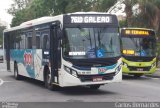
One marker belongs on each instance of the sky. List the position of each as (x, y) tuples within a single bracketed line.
[(4, 16)]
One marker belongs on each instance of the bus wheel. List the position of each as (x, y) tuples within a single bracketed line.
[(48, 82), (137, 75), (94, 87), (16, 75)]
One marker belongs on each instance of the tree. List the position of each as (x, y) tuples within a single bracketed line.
[(149, 15), (19, 11), (78, 6), (128, 10), (102, 5), (18, 5)]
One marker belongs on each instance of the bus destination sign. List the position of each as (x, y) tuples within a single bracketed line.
[(91, 19), (137, 32)]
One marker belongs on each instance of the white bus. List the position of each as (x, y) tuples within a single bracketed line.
[(73, 49)]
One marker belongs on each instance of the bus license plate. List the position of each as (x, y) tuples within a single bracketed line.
[(139, 69), (95, 79)]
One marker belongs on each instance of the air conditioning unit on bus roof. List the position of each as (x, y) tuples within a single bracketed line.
[(91, 12), (31, 22)]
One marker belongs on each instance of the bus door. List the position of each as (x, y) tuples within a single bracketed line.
[(7, 49), (55, 52), (45, 46)]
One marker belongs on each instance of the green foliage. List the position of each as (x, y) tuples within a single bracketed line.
[(78, 5), (18, 5), (148, 16), (31, 9), (106, 4), (128, 10), (102, 5), (123, 23)]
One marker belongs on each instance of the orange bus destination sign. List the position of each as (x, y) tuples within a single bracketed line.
[(137, 32)]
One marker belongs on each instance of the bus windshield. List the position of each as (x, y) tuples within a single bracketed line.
[(83, 43), (139, 46)]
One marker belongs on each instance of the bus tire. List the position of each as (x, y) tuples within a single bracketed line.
[(16, 74), (94, 87), (48, 82)]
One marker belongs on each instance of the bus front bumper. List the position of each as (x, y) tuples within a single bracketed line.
[(69, 80), (126, 70)]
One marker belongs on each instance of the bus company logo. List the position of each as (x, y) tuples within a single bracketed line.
[(101, 70), (28, 58)]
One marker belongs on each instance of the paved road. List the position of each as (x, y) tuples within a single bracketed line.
[(129, 90)]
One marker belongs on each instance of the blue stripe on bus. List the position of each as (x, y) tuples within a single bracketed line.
[(18, 56), (89, 68)]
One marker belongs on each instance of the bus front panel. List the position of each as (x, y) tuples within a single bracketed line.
[(90, 50), (138, 51)]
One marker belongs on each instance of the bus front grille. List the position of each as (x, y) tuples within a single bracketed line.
[(85, 78), (133, 68)]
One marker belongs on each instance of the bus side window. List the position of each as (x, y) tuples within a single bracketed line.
[(29, 40), (22, 42), (46, 41), (38, 44), (17, 40), (12, 40)]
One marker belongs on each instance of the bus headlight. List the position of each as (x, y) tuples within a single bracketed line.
[(74, 73), (67, 69), (125, 64), (70, 71), (118, 69), (153, 65)]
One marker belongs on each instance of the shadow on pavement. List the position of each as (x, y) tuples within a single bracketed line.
[(131, 77), (30, 81), (78, 90), (82, 90)]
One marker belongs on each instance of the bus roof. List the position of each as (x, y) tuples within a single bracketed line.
[(47, 19), (34, 22)]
